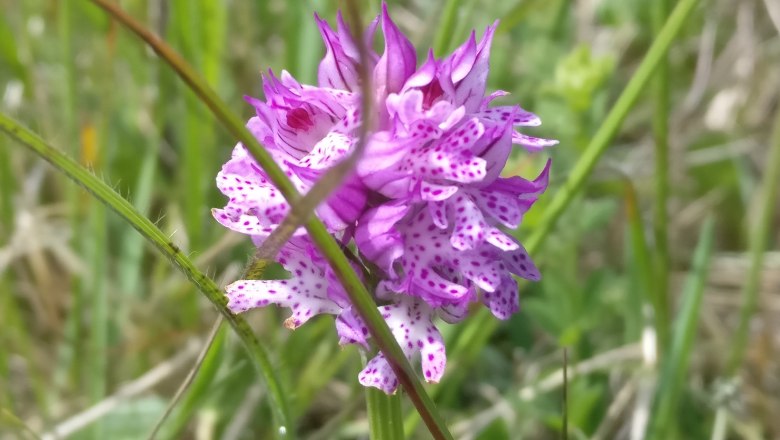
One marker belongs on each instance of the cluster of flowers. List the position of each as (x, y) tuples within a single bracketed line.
[(424, 207)]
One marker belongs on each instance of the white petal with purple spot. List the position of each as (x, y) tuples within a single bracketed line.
[(411, 322)]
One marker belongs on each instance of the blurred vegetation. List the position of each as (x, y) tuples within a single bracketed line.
[(86, 307)]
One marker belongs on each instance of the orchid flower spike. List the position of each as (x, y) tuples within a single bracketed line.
[(426, 208)]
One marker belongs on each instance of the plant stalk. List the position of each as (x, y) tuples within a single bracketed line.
[(384, 415)]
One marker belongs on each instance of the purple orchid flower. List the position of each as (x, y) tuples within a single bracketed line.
[(426, 207)]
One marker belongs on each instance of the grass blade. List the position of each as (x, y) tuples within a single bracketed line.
[(156, 237), (644, 264), (449, 19), (200, 386), (200, 376), (72, 343), (675, 363), (759, 237), (15, 425), (384, 415), (609, 128), (94, 241), (190, 31), (9, 309), (661, 137), (131, 254)]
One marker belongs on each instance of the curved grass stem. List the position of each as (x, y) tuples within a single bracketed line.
[(166, 247), (330, 249)]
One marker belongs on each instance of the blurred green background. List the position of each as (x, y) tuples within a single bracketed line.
[(86, 308)]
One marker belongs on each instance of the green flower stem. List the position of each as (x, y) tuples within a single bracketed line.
[(384, 415), (661, 137), (354, 287), (155, 236), (759, 238)]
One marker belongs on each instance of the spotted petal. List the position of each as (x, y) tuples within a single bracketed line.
[(531, 143), (504, 301), (411, 322), (305, 293), (377, 236)]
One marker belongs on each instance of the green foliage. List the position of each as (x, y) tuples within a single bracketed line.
[(579, 76), (86, 306)]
